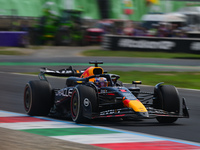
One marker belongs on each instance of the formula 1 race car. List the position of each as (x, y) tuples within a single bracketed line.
[(93, 93)]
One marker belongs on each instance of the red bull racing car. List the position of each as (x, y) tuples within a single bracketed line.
[(94, 93)]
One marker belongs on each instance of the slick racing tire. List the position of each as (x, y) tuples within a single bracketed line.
[(37, 98), (167, 98), (82, 97)]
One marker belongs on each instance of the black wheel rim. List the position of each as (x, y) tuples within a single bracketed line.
[(27, 98), (74, 104)]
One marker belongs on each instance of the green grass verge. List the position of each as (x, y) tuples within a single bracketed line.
[(140, 54), (3, 52), (190, 80), (17, 50)]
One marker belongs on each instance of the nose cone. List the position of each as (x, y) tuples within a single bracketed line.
[(143, 114), (136, 105)]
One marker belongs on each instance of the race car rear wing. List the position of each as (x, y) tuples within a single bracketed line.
[(66, 72), (62, 72)]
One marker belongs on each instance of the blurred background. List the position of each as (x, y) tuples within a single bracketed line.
[(75, 22)]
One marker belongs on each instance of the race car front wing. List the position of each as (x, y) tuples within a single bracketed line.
[(152, 113)]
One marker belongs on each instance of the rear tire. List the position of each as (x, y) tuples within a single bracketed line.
[(167, 98), (82, 96), (37, 98)]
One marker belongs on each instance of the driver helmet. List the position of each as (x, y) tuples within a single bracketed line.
[(101, 82)]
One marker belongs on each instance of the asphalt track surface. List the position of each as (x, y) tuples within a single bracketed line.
[(65, 56), (12, 86)]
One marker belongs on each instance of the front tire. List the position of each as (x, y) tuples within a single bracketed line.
[(37, 98), (81, 97), (167, 98)]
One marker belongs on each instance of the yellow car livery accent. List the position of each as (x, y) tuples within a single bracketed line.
[(136, 105), (79, 81), (137, 82)]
